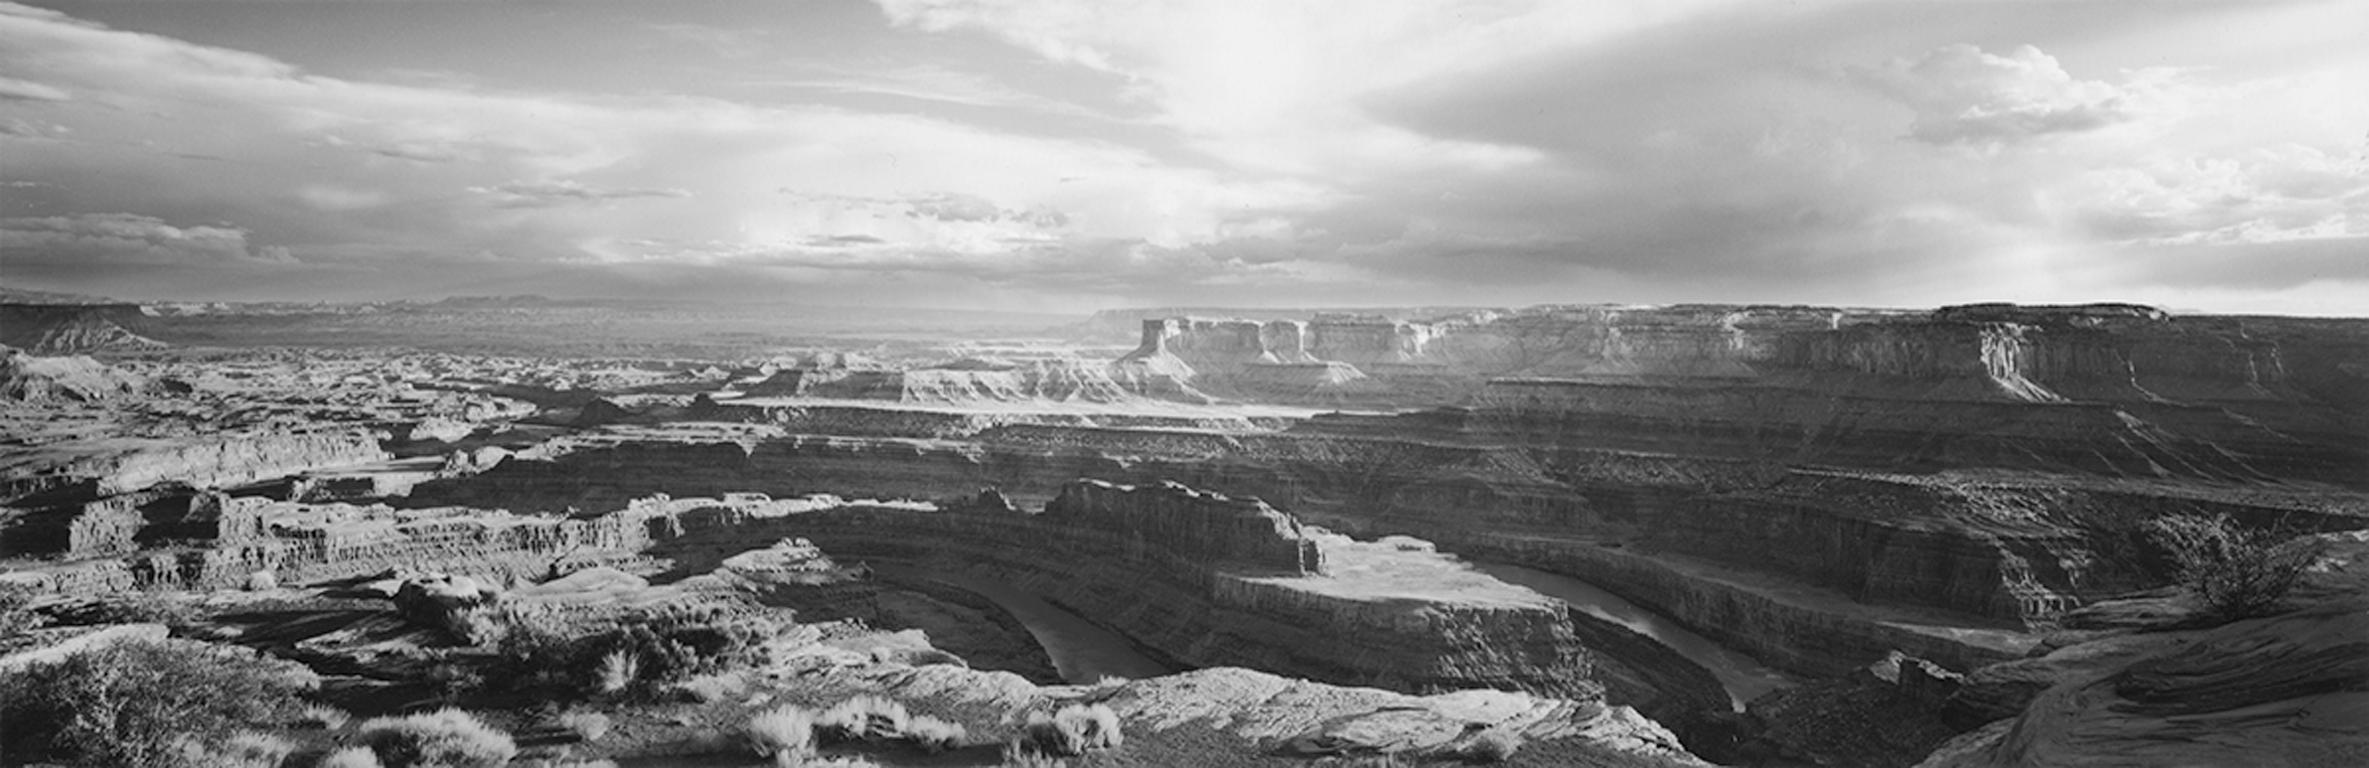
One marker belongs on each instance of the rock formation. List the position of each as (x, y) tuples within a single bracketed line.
[(27, 378), (49, 329)]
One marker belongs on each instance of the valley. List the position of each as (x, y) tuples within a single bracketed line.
[(1667, 535)]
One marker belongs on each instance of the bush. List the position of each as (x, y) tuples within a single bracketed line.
[(246, 749), (784, 733), (618, 671), (1018, 755), (2233, 571), (142, 703), (640, 649), (445, 738), (328, 718), (589, 726), (933, 735), (351, 757), (1072, 730), (15, 614)]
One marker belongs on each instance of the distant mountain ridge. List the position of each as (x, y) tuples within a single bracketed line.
[(11, 295), (52, 329)]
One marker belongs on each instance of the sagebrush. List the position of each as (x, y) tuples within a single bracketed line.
[(445, 738), (2235, 572), (144, 703)]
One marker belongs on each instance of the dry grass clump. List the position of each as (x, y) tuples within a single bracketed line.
[(1071, 730), (784, 733), (933, 735), (323, 716), (445, 738), (863, 718), (618, 670), (790, 735)]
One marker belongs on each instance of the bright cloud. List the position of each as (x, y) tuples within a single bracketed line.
[(1963, 95), (1023, 154)]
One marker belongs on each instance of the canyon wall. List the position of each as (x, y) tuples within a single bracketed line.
[(1198, 578), (1999, 552), (100, 468), (1216, 582), (2104, 389)]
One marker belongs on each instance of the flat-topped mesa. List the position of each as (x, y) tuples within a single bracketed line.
[(1190, 524), (2107, 352), (1369, 339), (1226, 342), (2052, 314)]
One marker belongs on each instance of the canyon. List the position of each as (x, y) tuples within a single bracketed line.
[(1731, 526)]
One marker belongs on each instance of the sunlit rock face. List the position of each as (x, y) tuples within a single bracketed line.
[(1207, 580), (1188, 524), (26, 378), (123, 465)]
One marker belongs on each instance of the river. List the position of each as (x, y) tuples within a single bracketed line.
[(1082, 651), (1743, 677)]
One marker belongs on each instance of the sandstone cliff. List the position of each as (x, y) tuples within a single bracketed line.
[(1224, 583), (28, 378), (122, 465)]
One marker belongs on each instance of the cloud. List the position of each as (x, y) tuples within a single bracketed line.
[(2259, 195), (1963, 95), (928, 83), (126, 239), (534, 194), (12, 89), (410, 169), (1528, 150)]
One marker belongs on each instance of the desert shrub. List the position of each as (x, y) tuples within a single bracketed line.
[(618, 670), (1072, 730), (16, 615), (445, 738), (589, 726), (863, 718), (1017, 754), (454, 678), (933, 735), (323, 716), (245, 749), (784, 733), (641, 649), (2233, 571), (350, 757), (142, 703)]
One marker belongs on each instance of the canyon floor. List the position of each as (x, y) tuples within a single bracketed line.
[(1985, 535)]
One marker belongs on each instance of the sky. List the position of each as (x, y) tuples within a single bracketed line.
[(1073, 156)]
